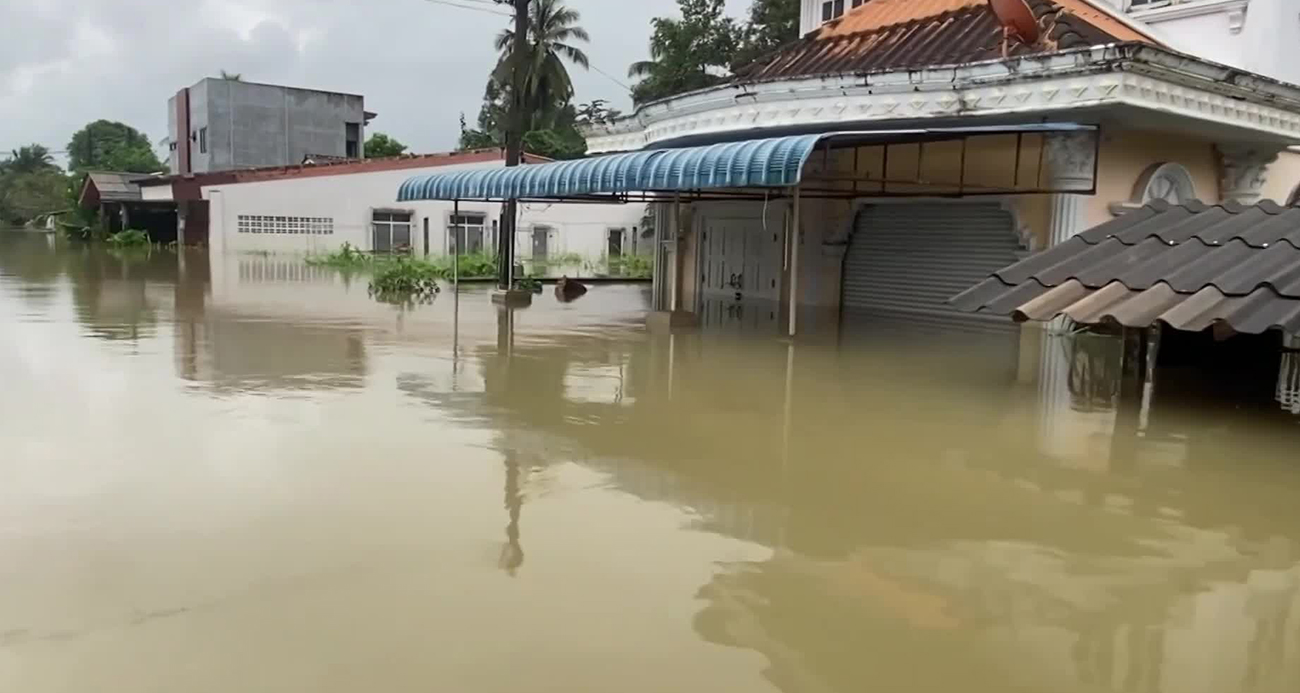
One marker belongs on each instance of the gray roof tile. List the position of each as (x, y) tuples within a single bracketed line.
[(1188, 266)]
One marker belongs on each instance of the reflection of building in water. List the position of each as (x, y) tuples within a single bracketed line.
[(254, 269), (229, 350), (251, 332)]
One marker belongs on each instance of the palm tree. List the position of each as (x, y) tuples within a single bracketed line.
[(30, 159), (552, 35)]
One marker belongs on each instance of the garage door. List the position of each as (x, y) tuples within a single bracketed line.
[(906, 260)]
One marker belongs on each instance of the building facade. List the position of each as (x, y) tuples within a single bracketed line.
[(225, 124), (1169, 126), (316, 209)]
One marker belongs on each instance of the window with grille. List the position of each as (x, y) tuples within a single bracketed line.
[(469, 227), (392, 231), (302, 226)]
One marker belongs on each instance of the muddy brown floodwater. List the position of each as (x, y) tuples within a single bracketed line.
[(244, 475)]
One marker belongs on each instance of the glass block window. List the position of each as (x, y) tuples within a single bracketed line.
[(302, 226)]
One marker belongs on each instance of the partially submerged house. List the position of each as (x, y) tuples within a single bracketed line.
[(317, 207), (927, 159), (116, 198)]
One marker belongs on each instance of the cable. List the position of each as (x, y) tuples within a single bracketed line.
[(612, 79), (485, 10)]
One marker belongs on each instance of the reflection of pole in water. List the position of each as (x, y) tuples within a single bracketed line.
[(789, 407), (1288, 379), (512, 554)]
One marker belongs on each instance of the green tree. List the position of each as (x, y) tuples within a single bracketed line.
[(552, 35), (29, 159), (597, 111), (25, 196), (379, 146), (551, 120), (772, 24), (110, 146), (689, 53), (476, 139)]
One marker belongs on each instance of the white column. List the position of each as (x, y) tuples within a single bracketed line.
[(1243, 172), (795, 240), (1071, 160), (676, 245)]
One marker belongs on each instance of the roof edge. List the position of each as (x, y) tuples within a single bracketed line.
[(1123, 18), (1115, 57)]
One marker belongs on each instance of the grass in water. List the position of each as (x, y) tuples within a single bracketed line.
[(404, 281), (130, 238), (472, 266), (631, 266), (347, 258)]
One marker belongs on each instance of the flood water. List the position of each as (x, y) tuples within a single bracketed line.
[(244, 475)]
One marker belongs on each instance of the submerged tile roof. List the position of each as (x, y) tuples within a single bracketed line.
[(1188, 266), (901, 34)]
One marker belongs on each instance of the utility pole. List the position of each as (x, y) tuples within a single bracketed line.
[(516, 127)]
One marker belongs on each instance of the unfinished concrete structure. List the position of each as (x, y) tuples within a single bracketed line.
[(227, 124)]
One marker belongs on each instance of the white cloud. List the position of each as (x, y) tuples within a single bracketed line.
[(419, 64)]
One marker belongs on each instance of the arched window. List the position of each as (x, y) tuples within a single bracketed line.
[(1168, 181)]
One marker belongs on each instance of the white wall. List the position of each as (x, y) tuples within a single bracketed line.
[(1268, 42), (349, 200)]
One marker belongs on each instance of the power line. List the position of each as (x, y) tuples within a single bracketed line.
[(612, 79), (450, 3)]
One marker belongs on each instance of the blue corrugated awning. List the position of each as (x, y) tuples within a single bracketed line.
[(773, 162), (765, 163)]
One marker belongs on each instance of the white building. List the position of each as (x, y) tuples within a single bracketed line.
[(315, 209)]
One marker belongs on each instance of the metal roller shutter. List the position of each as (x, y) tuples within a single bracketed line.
[(906, 260)]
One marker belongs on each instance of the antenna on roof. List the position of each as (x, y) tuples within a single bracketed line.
[(1016, 19)]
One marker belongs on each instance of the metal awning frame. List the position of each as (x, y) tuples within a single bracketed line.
[(814, 187)]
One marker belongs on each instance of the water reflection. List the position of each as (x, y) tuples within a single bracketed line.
[(330, 479)]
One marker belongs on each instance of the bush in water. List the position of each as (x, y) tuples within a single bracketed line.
[(405, 281)]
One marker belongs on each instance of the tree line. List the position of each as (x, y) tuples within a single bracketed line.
[(700, 48)]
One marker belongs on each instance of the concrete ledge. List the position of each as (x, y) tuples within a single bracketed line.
[(513, 298), (665, 321)]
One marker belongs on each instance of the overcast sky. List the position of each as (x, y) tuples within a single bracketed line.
[(64, 63)]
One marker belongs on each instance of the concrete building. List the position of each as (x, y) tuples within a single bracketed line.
[(912, 222), (315, 209), (224, 124)]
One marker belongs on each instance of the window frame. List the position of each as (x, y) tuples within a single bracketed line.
[(390, 226), (451, 229)]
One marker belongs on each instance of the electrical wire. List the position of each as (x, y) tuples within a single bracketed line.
[(486, 10)]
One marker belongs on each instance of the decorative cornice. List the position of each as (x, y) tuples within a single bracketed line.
[(1192, 8), (1097, 77)]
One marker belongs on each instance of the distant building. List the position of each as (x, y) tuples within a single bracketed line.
[(224, 124), (315, 208)]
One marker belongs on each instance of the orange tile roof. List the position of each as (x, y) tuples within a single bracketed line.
[(879, 14), (898, 34)]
